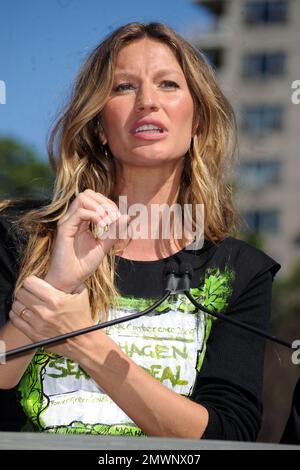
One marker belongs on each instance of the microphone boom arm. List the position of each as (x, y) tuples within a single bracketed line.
[(71, 334), (175, 284), (238, 323)]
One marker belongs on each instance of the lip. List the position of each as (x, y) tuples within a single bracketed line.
[(141, 122), (150, 136)]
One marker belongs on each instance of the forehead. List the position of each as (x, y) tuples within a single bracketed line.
[(146, 53)]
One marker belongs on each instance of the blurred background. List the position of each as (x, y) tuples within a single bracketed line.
[(254, 48)]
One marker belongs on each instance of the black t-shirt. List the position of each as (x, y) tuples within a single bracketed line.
[(291, 433), (209, 361)]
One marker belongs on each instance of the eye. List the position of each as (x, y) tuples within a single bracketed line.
[(125, 86), (122, 87), (170, 84)]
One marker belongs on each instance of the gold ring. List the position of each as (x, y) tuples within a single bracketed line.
[(22, 313), (102, 230)]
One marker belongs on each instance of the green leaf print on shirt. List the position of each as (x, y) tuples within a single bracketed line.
[(77, 427), (33, 400), (68, 387), (216, 289), (214, 293)]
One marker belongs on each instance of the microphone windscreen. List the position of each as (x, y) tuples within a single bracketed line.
[(171, 268), (186, 268)]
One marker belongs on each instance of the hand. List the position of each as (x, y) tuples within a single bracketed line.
[(77, 254), (50, 312)]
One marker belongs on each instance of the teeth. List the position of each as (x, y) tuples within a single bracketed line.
[(148, 127)]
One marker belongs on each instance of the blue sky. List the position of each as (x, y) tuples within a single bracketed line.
[(44, 42)]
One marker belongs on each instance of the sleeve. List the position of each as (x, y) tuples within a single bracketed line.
[(8, 269), (291, 433), (229, 384), (12, 244)]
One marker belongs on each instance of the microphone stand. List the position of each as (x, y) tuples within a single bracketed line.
[(240, 324), (83, 331), (175, 284), (186, 272), (172, 282)]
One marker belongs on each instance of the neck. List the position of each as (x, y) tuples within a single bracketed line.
[(150, 186)]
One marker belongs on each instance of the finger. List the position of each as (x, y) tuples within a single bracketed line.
[(98, 197), (101, 199), (40, 289), (109, 218), (117, 230), (29, 299), (21, 324), (111, 225), (18, 307), (89, 199), (109, 210), (82, 200), (81, 218), (25, 314)]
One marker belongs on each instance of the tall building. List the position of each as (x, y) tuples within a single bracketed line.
[(254, 46)]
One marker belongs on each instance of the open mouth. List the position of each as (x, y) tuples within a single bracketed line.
[(149, 131), (156, 131), (153, 134)]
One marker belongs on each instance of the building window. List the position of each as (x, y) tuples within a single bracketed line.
[(259, 174), (263, 64), (217, 7), (214, 56), (261, 119), (266, 221), (296, 240), (266, 12)]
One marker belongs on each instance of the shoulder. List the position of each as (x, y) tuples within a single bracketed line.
[(11, 237), (243, 266), (247, 258), (18, 207)]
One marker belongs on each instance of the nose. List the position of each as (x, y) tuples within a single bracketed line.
[(146, 98)]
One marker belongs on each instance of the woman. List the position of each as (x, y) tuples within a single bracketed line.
[(146, 121)]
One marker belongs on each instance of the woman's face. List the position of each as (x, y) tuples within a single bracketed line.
[(149, 86)]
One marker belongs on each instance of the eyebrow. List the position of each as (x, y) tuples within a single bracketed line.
[(125, 73)]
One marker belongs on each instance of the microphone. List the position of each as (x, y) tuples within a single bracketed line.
[(179, 277), (187, 272), (171, 271)]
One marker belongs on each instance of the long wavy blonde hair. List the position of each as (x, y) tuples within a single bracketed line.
[(82, 162)]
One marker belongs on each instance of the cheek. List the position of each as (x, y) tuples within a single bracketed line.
[(182, 114), (114, 118)]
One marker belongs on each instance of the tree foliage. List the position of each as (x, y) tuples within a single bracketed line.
[(22, 173)]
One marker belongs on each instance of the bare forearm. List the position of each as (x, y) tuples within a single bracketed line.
[(157, 410), (67, 288), (12, 371)]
